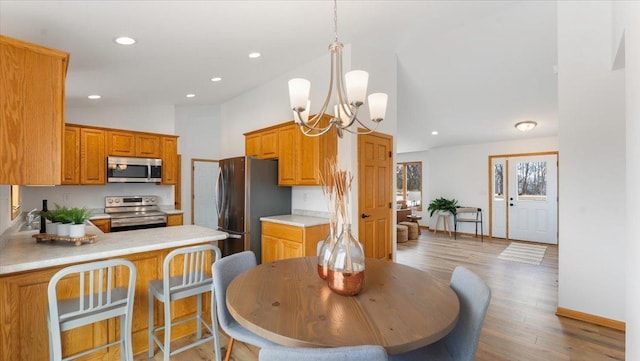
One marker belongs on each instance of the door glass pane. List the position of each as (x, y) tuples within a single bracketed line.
[(532, 180), (399, 182), (414, 183), (498, 181)]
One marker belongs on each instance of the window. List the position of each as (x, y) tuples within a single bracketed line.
[(15, 201), (498, 181), (409, 184), (532, 180)]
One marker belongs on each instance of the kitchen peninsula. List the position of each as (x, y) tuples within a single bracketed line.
[(27, 266)]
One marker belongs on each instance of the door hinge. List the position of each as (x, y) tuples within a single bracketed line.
[(390, 154), (389, 205), (390, 256)]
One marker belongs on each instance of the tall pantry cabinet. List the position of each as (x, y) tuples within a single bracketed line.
[(32, 81)]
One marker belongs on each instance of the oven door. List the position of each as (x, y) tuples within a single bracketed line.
[(131, 223)]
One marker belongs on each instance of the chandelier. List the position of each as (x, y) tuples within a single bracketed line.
[(351, 91)]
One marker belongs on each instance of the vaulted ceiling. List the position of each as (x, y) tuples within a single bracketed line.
[(467, 69)]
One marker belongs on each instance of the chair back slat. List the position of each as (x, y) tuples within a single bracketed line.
[(194, 266)]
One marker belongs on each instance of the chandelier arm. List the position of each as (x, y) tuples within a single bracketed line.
[(368, 131), (314, 132)]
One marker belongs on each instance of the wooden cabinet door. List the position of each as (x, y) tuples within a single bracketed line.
[(307, 159), (170, 160), (148, 146), (252, 145), (270, 248), (291, 249), (120, 143), (32, 80), (71, 156), (269, 144), (174, 220), (92, 158), (286, 155)]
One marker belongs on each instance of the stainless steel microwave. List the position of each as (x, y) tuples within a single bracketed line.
[(133, 170)]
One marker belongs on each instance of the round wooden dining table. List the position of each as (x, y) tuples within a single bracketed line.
[(400, 308)]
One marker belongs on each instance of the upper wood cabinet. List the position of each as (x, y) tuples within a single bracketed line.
[(131, 144), (170, 167), (262, 143), (71, 155), (302, 158), (32, 80), (92, 156)]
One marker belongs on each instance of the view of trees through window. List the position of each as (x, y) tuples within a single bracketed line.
[(532, 179), (409, 183), (498, 183)]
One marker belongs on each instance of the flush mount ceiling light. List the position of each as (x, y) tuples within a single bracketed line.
[(125, 40), (526, 126), (94, 97), (351, 90)]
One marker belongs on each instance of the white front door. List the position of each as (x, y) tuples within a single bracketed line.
[(205, 174), (533, 198)]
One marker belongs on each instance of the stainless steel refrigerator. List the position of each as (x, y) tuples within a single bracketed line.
[(247, 190)]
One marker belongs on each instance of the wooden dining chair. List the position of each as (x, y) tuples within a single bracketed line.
[(460, 344), (224, 271), (351, 353)]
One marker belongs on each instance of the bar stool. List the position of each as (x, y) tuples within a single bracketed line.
[(194, 281), (98, 299)]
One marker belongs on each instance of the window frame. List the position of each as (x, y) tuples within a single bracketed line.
[(404, 182)]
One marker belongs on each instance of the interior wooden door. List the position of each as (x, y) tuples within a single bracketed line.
[(375, 194)]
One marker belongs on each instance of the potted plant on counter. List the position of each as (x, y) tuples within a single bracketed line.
[(78, 216)]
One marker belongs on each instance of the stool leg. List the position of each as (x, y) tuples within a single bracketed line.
[(167, 330), (199, 316)]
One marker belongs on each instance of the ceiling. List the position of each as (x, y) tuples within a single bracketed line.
[(183, 44)]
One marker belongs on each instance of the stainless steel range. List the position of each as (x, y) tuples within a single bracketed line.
[(134, 212)]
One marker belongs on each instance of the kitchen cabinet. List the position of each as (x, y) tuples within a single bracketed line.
[(262, 143), (170, 167), (32, 85), (23, 310), (71, 155), (133, 144), (103, 224), (302, 158), (92, 156), (174, 220), (282, 241)]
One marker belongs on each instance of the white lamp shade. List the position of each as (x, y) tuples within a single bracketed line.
[(356, 82), (377, 106), (299, 92), (340, 113)]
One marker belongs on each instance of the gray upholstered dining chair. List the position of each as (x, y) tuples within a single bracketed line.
[(460, 344), (351, 353), (224, 271)]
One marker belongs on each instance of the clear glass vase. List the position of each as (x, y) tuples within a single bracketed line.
[(346, 265), (324, 252)]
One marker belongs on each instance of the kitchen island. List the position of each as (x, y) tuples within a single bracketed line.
[(26, 266)]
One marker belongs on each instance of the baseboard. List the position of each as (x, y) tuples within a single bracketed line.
[(586, 317)]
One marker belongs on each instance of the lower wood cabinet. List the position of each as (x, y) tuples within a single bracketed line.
[(282, 241), (174, 220), (23, 314), (103, 224)]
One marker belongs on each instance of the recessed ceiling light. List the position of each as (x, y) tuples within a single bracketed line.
[(190, 95), (125, 40), (217, 78), (254, 55), (94, 96), (435, 132)]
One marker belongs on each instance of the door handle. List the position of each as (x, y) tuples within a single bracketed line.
[(511, 204), (363, 216)]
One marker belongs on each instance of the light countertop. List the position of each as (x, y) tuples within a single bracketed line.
[(296, 220), (19, 251), (172, 211)]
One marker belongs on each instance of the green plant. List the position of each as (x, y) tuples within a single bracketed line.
[(442, 204), (59, 214), (78, 215)]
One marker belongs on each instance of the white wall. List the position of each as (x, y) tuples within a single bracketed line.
[(627, 15), (592, 163), (5, 207), (461, 172), (199, 131), (153, 119)]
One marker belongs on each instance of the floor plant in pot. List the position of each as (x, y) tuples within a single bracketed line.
[(78, 216), (442, 205)]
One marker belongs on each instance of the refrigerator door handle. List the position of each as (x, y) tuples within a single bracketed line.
[(220, 192)]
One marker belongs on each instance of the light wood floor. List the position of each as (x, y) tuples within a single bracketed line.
[(520, 324)]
